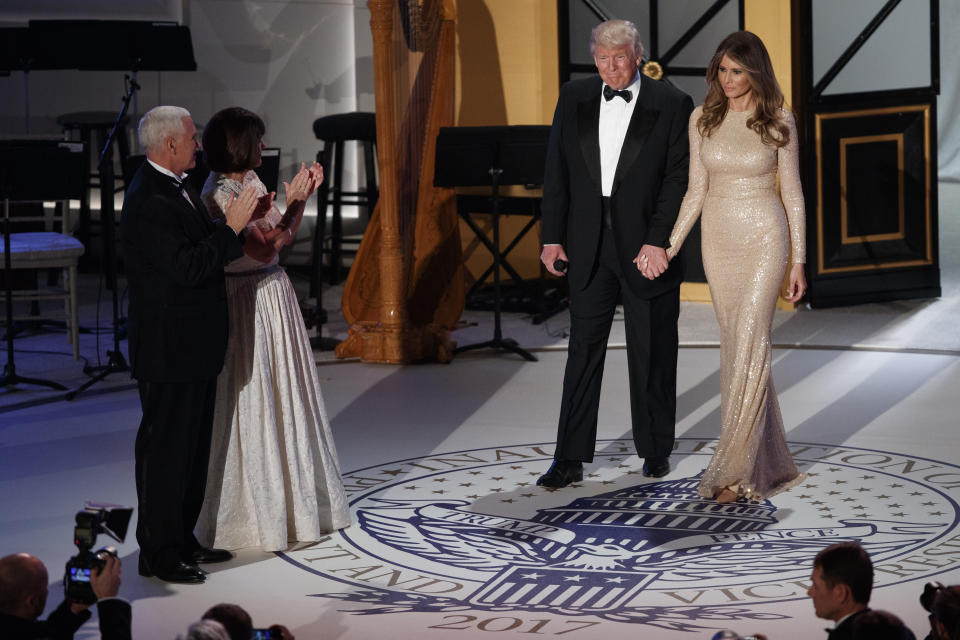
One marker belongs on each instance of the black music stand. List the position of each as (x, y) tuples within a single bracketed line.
[(494, 156), (116, 363), (25, 170)]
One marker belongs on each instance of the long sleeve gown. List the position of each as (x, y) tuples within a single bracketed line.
[(749, 233)]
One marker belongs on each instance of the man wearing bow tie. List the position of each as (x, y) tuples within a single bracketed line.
[(615, 175), (174, 255), (840, 586)]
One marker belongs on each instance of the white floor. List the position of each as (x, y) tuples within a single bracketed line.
[(452, 539), (440, 460)]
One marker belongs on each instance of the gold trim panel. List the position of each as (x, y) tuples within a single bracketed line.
[(900, 234), (818, 138)]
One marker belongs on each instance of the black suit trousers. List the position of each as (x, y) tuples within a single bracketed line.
[(651, 334), (172, 452)]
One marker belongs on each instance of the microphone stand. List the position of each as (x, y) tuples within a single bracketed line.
[(116, 363)]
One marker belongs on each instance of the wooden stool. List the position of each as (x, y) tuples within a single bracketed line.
[(82, 125), (335, 131)]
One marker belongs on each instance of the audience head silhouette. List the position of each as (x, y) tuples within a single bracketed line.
[(234, 619)]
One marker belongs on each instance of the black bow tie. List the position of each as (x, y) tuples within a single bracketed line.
[(609, 92)]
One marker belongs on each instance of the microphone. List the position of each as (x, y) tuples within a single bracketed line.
[(560, 265)]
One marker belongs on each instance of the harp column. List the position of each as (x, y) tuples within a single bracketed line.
[(393, 337), (392, 265)]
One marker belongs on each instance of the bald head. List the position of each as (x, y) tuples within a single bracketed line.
[(23, 586)]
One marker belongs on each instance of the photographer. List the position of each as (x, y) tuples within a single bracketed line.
[(23, 597)]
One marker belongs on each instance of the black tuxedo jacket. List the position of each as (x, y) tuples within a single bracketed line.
[(844, 631), (174, 256), (648, 186), (62, 624)]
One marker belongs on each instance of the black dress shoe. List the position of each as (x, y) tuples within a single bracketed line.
[(176, 572), (203, 555), (656, 467), (562, 473)]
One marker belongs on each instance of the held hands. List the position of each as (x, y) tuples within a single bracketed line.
[(304, 183), (797, 285), (651, 261), (240, 208), (550, 254)]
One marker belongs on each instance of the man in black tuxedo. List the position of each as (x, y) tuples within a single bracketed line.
[(615, 176), (840, 586), (175, 254)]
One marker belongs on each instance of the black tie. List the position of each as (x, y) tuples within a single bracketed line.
[(182, 188), (609, 92)]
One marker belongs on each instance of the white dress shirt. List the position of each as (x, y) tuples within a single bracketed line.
[(174, 176), (615, 117)]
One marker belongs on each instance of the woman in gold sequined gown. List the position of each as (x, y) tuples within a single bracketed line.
[(741, 138)]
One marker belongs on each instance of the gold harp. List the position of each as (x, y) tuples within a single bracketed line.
[(405, 290)]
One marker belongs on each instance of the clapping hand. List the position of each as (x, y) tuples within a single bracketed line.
[(317, 172), (264, 205), (304, 183), (240, 208)]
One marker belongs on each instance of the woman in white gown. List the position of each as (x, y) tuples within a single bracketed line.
[(274, 478)]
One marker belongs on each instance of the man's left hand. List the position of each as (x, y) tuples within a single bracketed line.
[(651, 261)]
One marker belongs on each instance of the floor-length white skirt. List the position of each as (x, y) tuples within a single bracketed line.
[(274, 477)]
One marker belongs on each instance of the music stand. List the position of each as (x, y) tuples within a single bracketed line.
[(494, 156), (116, 363), (25, 167)]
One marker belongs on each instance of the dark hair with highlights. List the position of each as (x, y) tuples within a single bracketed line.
[(231, 140), (847, 563), (747, 50)]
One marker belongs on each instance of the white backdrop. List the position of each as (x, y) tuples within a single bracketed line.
[(291, 61), (948, 106)]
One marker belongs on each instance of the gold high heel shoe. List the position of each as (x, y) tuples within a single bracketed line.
[(726, 496)]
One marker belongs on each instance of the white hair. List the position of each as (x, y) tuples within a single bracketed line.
[(206, 630), (159, 123), (616, 33)]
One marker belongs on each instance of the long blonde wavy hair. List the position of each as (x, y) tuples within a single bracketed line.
[(747, 50)]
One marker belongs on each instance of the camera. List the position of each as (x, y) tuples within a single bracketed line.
[(266, 634), (96, 517)]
